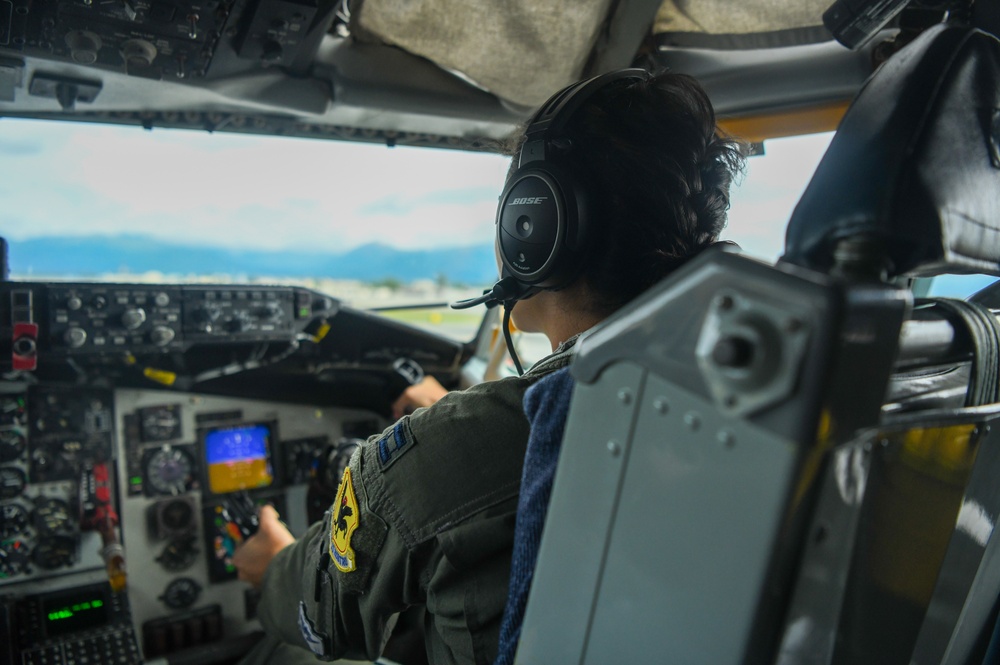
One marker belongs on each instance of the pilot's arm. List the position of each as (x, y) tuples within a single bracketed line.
[(306, 602), (424, 516)]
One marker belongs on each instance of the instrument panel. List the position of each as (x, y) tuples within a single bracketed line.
[(134, 419), (172, 460)]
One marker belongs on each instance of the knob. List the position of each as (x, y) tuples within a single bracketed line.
[(133, 317), (161, 299), (162, 335), (83, 46), (205, 317), (24, 346), (99, 302), (271, 53), (237, 324), (75, 337), (269, 312), (138, 52), (74, 303)]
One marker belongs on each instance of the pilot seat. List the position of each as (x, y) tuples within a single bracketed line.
[(797, 463)]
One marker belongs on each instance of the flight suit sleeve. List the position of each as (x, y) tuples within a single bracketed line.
[(310, 602)]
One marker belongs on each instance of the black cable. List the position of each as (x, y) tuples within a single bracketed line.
[(507, 306), (984, 333)]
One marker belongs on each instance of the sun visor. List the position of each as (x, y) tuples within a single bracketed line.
[(915, 163)]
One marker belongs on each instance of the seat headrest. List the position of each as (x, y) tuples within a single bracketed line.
[(915, 163)]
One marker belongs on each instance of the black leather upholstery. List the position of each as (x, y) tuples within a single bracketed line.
[(915, 163)]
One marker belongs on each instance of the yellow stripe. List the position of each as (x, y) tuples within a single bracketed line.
[(808, 120)]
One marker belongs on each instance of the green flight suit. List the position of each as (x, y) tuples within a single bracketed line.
[(437, 493)]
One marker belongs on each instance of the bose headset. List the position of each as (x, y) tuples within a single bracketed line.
[(544, 226)]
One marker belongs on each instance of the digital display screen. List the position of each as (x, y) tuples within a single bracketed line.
[(238, 458), (68, 613)]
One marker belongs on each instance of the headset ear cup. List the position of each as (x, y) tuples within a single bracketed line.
[(542, 229)]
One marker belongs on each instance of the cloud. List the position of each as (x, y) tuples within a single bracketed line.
[(399, 205), (243, 191), (253, 192), (762, 204)]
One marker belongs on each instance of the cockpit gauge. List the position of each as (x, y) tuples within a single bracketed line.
[(13, 410), (47, 466), (12, 482), (13, 520), (179, 553), (169, 471), (54, 552), (12, 444), (181, 593), (52, 515), (14, 558), (160, 423), (176, 516)]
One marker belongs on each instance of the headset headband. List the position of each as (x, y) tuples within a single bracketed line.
[(552, 117)]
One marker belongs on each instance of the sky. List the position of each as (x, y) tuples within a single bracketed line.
[(250, 192)]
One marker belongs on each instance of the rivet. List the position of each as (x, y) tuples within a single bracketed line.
[(726, 438), (614, 448), (625, 396), (661, 406), (725, 302), (692, 420)]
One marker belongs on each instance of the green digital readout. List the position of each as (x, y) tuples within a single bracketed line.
[(71, 611), (80, 609)]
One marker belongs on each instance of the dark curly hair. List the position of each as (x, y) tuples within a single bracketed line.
[(653, 151)]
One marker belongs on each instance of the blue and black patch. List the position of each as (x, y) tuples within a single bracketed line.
[(396, 442)]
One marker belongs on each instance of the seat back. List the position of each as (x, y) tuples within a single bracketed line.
[(730, 468)]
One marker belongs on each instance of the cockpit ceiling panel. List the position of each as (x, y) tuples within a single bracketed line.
[(722, 17), (522, 54), (530, 49)]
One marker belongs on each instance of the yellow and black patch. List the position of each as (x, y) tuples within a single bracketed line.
[(344, 519)]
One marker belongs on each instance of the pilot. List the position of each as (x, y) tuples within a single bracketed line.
[(425, 513)]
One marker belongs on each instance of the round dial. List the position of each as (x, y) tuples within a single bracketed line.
[(176, 515), (13, 409), (14, 558), (12, 482), (55, 552), (181, 593), (160, 424), (169, 471), (12, 444), (179, 554), (13, 520), (52, 515)]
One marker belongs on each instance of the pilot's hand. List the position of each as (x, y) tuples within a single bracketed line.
[(254, 555), (424, 393)]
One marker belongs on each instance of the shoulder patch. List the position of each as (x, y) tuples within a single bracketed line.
[(344, 519), (394, 443)]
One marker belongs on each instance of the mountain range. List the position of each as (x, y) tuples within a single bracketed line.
[(86, 256)]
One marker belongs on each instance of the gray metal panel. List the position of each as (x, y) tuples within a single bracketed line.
[(811, 627), (967, 586), (595, 449), (695, 526)]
